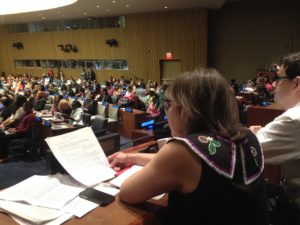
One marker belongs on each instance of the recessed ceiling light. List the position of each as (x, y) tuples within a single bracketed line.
[(17, 6), (84, 13), (165, 7), (106, 10), (97, 6), (127, 6), (113, 1)]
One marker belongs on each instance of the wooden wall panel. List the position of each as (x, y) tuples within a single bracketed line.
[(143, 42)]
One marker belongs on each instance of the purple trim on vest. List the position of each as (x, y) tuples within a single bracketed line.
[(214, 166), (249, 180)]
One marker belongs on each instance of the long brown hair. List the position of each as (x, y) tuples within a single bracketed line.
[(207, 102)]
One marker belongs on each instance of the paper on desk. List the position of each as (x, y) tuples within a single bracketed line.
[(80, 153), (48, 192), (56, 221), (132, 170), (121, 178), (35, 214)]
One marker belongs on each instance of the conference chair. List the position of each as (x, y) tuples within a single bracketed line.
[(114, 99), (113, 118), (87, 119), (99, 125), (101, 110), (28, 148)]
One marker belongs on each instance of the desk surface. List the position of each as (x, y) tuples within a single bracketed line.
[(262, 115), (116, 213)]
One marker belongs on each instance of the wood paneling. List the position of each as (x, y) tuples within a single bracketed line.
[(143, 42)]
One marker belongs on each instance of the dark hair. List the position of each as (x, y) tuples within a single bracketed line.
[(291, 64), (75, 104), (6, 101), (20, 99)]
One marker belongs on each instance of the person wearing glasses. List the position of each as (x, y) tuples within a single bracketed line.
[(280, 139), (211, 167)]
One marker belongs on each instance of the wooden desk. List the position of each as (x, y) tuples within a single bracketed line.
[(110, 142), (129, 121), (40, 132), (142, 136), (262, 115), (116, 213), (259, 115)]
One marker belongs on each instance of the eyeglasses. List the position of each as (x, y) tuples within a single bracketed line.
[(277, 78), (167, 104)]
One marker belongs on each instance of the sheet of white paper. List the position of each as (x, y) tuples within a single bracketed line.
[(58, 221), (49, 192), (31, 213), (79, 207), (121, 178), (80, 153), (107, 188)]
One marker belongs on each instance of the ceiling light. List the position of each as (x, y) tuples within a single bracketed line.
[(21, 6)]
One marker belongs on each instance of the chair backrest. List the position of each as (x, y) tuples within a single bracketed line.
[(99, 123), (123, 101), (87, 119), (113, 113), (114, 99), (101, 110)]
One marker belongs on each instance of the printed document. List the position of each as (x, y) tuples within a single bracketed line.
[(81, 155)]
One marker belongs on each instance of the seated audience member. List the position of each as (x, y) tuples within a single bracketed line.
[(70, 91), (10, 108), (280, 139), (104, 96), (40, 101), (23, 130), (57, 99), (14, 119), (28, 94), (234, 85), (153, 107), (117, 92), (211, 167), (91, 104), (129, 95), (77, 113), (138, 104), (64, 107)]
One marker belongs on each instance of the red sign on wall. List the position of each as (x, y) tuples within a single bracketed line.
[(169, 55)]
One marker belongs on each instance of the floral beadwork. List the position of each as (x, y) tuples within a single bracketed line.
[(213, 144)]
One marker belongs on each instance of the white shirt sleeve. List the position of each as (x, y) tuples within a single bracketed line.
[(280, 139)]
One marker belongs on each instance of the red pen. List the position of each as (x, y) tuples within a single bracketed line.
[(121, 171)]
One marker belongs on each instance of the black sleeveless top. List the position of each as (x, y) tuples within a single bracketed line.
[(231, 189)]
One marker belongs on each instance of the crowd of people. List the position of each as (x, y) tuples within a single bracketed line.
[(70, 97), (212, 167)]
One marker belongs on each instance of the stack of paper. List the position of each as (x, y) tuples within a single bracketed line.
[(51, 200)]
